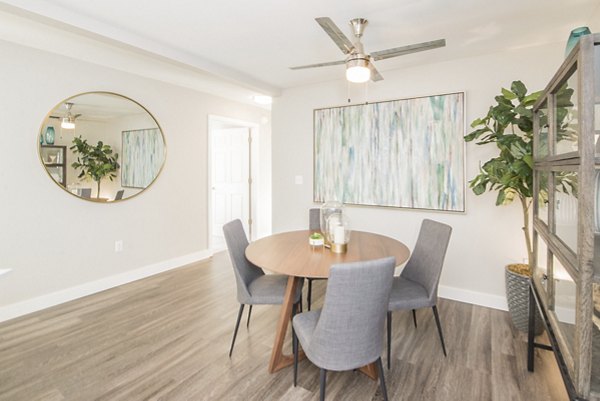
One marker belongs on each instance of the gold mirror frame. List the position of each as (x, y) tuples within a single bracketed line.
[(89, 111)]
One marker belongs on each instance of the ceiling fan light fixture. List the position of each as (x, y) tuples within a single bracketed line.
[(358, 71), (67, 123)]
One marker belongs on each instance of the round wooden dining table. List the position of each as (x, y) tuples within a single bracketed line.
[(290, 253)]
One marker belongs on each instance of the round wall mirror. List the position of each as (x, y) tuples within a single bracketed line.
[(101, 146)]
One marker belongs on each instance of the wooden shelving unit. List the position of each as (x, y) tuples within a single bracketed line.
[(566, 265), (54, 158)]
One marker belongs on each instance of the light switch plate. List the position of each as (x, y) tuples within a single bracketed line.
[(299, 180)]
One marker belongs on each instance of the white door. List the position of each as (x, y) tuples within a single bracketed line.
[(230, 169)]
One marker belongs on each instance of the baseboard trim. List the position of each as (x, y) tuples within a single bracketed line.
[(473, 297), (46, 301)]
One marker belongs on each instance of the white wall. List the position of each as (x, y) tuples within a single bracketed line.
[(54, 242), (486, 237)]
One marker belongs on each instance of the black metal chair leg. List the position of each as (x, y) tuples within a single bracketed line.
[(415, 317), (295, 310), (531, 331), (309, 295), (295, 346), (323, 380), (389, 339), (237, 325), (439, 326), (249, 313), (382, 380)]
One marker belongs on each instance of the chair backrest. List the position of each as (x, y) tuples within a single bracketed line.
[(119, 194), (86, 192), (245, 272), (427, 259), (349, 333), (314, 219)]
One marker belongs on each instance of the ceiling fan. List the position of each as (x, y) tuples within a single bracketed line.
[(359, 65), (68, 121)]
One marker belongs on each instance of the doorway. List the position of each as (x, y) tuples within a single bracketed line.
[(231, 177)]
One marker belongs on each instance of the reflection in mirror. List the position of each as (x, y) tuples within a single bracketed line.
[(101, 146)]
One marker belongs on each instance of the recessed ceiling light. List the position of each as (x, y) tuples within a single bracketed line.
[(263, 99)]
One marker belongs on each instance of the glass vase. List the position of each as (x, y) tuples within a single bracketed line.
[(329, 208), (49, 136), (338, 232), (574, 38)]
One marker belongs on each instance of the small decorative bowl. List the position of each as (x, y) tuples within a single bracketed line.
[(316, 240)]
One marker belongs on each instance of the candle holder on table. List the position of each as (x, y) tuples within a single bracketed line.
[(337, 232)]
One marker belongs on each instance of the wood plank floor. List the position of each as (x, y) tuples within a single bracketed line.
[(167, 337)]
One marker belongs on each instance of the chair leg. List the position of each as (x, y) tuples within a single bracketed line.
[(439, 326), (389, 339), (237, 326), (415, 317), (249, 313), (323, 380), (309, 295), (382, 379), (295, 346)]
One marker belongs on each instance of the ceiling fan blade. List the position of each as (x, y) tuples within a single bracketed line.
[(300, 67), (401, 51), (375, 75), (335, 34)]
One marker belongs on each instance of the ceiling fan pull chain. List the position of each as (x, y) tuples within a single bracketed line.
[(348, 91)]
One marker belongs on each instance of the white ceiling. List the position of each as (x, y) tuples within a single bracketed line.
[(97, 106), (254, 42)]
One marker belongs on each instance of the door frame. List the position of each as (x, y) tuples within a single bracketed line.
[(217, 122)]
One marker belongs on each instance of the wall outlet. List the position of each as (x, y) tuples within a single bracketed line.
[(119, 245), (299, 180)]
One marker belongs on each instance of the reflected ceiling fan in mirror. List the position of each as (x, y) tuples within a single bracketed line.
[(68, 121), (359, 65)]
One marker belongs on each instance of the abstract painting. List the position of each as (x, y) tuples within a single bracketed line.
[(143, 155), (406, 153)]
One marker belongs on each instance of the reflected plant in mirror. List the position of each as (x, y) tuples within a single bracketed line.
[(96, 162), (107, 147)]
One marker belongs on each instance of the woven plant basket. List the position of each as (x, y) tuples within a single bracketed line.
[(517, 295)]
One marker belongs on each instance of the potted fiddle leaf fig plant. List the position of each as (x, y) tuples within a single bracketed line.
[(95, 162), (509, 126)]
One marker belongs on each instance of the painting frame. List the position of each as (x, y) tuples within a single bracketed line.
[(140, 167), (381, 153)]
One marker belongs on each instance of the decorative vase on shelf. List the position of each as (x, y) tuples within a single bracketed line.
[(49, 136), (574, 38)]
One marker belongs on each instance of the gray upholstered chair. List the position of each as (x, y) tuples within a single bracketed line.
[(348, 332), (314, 224), (254, 287), (314, 219), (417, 285)]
